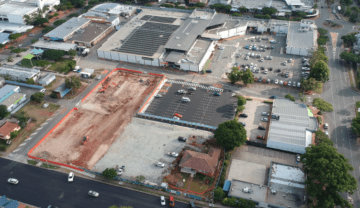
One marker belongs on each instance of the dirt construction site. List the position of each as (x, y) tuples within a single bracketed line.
[(101, 117)]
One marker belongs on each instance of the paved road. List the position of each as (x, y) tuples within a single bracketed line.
[(42, 187)]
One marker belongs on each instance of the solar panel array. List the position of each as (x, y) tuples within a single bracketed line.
[(158, 19), (147, 39)]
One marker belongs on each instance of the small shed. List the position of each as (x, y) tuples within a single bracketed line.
[(47, 79), (61, 91), (86, 73)]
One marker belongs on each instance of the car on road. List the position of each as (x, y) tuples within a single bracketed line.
[(217, 93), (171, 201), (298, 157), (183, 139), (181, 91), (162, 200), (98, 77), (71, 177), (158, 96), (260, 137), (264, 119), (243, 115), (13, 181), (93, 193), (192, 88), (45, 105), (242, 123), (173, 154), (261, 128), (326, 125), (264, 113), (42, 90), (298, 84), (160, 164)]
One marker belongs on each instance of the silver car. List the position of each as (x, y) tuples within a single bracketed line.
[(264, 113), (264, 119)]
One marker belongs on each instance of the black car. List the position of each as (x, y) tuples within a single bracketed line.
[(262, 67), (183, 139), (270, 69), (243, 115), (261, 128), (278, 70), (208, 71)]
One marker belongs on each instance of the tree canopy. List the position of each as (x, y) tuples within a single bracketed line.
[(322, 31), (37, 97), (320, 71), (327, 175), (311, 84), (40, 21), (350, 57), (355, 125), (241, 100), (349, 39), (221, 7), (320, 137), (109, 173), (15, 36), (322, 105), (53, 54), (73, 82), (247, 77), (72, 52), (219, 194), (269, 10), (318, 55), (230, 134), (3, 111)]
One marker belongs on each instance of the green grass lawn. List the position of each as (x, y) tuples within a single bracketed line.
[(31, 162), (45, 165), (27, 63), (59, 65)]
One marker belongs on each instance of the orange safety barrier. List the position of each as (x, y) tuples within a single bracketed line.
[(129, 70), (160, 75), (152, 94), (32, 149)]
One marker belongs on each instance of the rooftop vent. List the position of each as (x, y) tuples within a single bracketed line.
[(177, 38)]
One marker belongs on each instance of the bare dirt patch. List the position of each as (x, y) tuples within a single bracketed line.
[(102, 117)]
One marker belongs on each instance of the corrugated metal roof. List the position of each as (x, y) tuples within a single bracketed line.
[(218, 19), (18, 72), (227, 185), (67, 28), (6, 89), (286, 178), (49, 76), (174, 56)]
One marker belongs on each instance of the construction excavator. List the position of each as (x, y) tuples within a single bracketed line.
[(104, 88), (85, 138)]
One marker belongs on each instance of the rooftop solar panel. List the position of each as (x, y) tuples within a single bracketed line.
[(158, 19)]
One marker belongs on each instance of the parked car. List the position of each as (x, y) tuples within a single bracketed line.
[(278, 70), (42, 90), (160, 164), (298, 84), (260, 137), (281, 82), (185, 99), (45, 105), (162, 200), (270, 69), (171, 201), (264, 113), (273, 97), (268, 81), (176, 118), (71, 177), (183, 139), (326, 125), (192, 88), (173, 154), (264, 119), (181, 91), (298, 157), (93, 193), (158, 96), (209, 71), (242, 123), (261, 128), (294, 84), (243, 115), (270, 57), (276, 81), (289, 83), (13, 181), (285, 83), (221, 48), (217, 94)]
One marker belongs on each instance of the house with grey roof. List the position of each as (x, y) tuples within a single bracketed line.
[(291, 126)]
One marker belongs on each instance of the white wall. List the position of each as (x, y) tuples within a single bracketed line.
[(286, 147), (207, 55), (232, 32), (127, 58), (100, 54), (115, 56), (297, 51), (16, 19)]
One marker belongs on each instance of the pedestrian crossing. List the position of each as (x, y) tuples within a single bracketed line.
[(196, 85)]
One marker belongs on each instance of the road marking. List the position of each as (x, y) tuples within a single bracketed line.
[(16, 150), (21, 144)]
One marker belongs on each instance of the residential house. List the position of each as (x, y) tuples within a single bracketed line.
[(7, 128)]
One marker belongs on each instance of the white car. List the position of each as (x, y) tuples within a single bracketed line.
[(71, 177), (173, 154), (289, 83), (298, 84), (162, 201), (158, 96), (45, 105), (221, 48), (160, 164), (93, 193), (298, 158), (264, 113), (327, 133), (42, 90), (119, 172), (13, 181), (176, 118), (262, 59), (281, 82), (181, 91), (276, 81), (185, 99), (264, 119)]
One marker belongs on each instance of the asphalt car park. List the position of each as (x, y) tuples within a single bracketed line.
[(253, 110), (205, 107), (272, 64)]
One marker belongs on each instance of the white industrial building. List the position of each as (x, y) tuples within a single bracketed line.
[(19, 73), (301, 38), (292, 128), (47, 79), (47, 44)]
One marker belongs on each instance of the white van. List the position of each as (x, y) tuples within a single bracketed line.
[(76, 68), (185, 99)]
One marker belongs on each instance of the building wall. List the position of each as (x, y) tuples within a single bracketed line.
[(280, 29), (297, 51), (233, 32), (286, 147), (207, 55), (115, 56)]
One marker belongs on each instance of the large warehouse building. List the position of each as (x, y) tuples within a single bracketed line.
[(293, 128)]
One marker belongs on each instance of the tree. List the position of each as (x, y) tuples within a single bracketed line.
[(140, 178), (63, 7), (229, 201), (322, 40), (234, 75), (230, 134), (349, 57), (59, 22), (243, 203), (53, 54), (355, 125), (320, 71), (72, 52), (346, 2), (22, 119), (315, 6), (200, 4), (40, 21), (242, 9), (109, 173), (247, 77), (15, 36), (327, 175), (320, 137), (73, 82), (322, 105), (300, 14), (219, 194), (3, 111), (269, 10), (37, 97), (349, 39), (10, 59), (318, 55), (290, 97), (311, 84), (241, 100), (30, 81), (322, 31)]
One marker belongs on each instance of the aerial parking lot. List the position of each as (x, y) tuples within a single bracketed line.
[(205, 106), (265, 56)]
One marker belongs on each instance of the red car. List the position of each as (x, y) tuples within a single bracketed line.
[(178, 115)]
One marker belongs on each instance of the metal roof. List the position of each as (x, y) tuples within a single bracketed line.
[(46, 78), (6, 89), (301, 38), (43, 44), (12, 99), (67, 28), (218, 19), (186, 35), (17, 71), (292, 124), (4, 37), (286, 178), (174, 56)]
